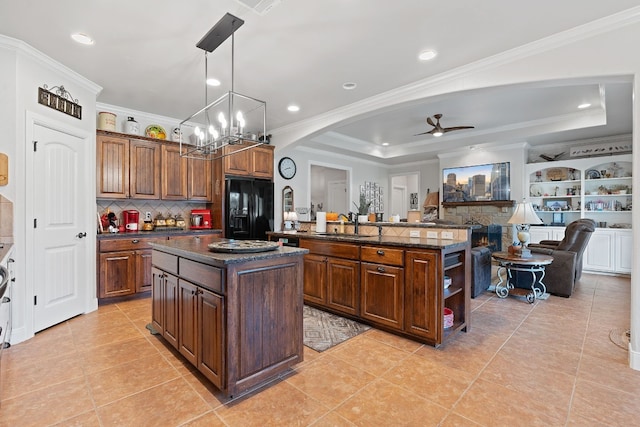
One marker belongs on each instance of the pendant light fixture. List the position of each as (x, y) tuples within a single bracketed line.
[(231, 119)]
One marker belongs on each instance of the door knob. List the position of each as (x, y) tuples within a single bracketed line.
[(81, 235)]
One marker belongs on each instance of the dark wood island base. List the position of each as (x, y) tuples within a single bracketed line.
[(236, 317)]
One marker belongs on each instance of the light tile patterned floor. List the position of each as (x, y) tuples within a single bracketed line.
[(549, 364)]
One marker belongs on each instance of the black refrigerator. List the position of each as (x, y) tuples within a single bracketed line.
[(249, 208)]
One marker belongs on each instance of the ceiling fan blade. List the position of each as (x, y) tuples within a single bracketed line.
[(424, 133), (430, 122), (457, 128)]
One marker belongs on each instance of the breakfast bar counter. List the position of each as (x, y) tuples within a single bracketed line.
[(237, 317)]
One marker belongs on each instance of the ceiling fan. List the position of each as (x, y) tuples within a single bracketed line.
[(438, 130)]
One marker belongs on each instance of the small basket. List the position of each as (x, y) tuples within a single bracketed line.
[(448, 318)]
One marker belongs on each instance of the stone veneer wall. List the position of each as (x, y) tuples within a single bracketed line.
[(485, 215), (6, 220)]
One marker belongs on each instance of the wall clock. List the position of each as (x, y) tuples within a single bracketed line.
[(287, 167)]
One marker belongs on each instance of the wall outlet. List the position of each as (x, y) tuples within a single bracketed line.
[(446, 235), (414, 233), (432, 234)]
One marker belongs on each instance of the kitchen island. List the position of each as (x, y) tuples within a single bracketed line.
[(391, 282), (237, 317)]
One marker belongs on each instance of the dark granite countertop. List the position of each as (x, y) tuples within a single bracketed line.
[(158, 233), (198, 251), (407, 242)]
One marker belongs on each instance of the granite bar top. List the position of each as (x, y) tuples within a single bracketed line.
[(158, 233), (406, 242), (198, 250), (405, 224)]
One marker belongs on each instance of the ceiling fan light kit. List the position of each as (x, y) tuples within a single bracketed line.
[(230, 119)]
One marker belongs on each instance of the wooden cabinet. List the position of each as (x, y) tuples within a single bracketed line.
[(124, 266), (112, 167), (248, 302), (399, 289), (117, 274), (144, 170), (421, 300), (165, 305), (174, 174), (149, 169), (382, 286), (199, 185), (382, 294), (332, 276), (211, 335), (256, 162), (127, 168)]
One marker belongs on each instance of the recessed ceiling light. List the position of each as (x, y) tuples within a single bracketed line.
[(213, 82), (349, 86), (384, 144), (293, 108), (583, 106), (82, 38), (427, 55)]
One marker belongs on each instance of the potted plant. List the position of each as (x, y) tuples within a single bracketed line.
[(363, 208)]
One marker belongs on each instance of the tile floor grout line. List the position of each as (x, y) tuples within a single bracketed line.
[(575, 377)]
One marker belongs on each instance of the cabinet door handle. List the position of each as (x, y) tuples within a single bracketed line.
[(380, 252), (381, 269), (81, 235), (6, 299)]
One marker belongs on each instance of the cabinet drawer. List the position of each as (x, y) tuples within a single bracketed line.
[(204, 275), (127, 244), (382, 255), (164, 261), (340, 250)]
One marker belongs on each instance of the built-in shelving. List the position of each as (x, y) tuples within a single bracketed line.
[(598, 188)]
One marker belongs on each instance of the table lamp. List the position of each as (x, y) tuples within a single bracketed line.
[(289, 218), (522, 218)]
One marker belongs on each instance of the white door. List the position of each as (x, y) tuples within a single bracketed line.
[(399, 201), (337, 197), (60, 252)]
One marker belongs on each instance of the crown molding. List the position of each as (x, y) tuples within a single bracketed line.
[(25, 49), (446, 81)]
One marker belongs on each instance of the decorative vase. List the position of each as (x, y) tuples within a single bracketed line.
[(363, 218)]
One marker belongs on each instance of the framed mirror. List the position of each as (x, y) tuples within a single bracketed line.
[(287, 199)]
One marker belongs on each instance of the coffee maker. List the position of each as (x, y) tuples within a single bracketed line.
[(130, 219), (200, 219)]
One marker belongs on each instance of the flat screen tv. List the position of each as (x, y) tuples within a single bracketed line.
[(476, 183)]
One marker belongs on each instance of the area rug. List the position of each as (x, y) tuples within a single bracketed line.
[(324, 330)]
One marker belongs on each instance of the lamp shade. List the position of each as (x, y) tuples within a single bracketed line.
[(524, 214)]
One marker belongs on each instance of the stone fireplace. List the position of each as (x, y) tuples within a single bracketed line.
[(492, 216)]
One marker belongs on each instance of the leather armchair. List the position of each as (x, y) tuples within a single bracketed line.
[(566, 268)]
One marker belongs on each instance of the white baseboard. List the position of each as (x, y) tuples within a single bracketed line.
[(634, 359)]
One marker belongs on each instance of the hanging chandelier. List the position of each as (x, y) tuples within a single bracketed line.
[(231, 119)]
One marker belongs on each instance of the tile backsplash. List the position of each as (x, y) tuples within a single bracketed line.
[(164, 207)]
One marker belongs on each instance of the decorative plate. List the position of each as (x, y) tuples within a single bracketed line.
[(242, 246), (535, 191), (592, 174), (155, 131)]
